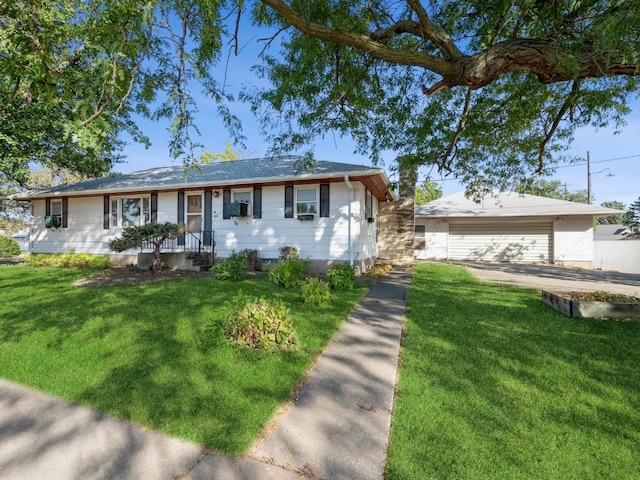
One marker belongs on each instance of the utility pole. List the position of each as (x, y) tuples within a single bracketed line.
[(588, 178)]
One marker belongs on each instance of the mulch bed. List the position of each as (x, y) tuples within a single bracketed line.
[(599, 296), (134, 276)]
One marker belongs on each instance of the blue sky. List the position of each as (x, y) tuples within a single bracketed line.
[(615, 158)]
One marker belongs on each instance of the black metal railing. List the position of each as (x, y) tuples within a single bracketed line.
[(189, 242)]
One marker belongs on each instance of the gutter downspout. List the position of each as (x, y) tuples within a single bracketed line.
[(351, 200)]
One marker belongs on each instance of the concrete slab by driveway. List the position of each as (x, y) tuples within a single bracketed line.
[(338, 428), (555, 278)]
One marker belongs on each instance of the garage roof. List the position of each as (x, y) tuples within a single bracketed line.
[(508, 204)]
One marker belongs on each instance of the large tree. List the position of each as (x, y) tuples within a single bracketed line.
[(73, 73), (427, 191), (552, 189), (620, 219), (489, 90)]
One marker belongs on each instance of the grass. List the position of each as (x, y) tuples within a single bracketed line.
[(154, 353), (495, 385)]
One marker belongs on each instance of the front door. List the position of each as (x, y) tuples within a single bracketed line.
[(194, 218)]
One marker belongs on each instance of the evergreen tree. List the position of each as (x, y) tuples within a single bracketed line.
[(634, 214)]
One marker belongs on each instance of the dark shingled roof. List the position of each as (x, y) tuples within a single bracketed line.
[(215, 174)]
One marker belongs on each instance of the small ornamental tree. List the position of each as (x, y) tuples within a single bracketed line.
[(153, 233)]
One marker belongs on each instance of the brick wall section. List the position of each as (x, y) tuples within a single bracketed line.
[(396, 230)]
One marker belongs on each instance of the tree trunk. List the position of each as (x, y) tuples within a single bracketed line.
[(157, 261)]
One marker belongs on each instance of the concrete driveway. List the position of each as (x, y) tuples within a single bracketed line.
[(551, 277)]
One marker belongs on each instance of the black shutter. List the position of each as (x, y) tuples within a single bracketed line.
[(226, 200), (65, 212), (181, 215), (208, 208), (324, 199), (47, 207), (106, 219), (154, 208), (257, 202), (288, 201)]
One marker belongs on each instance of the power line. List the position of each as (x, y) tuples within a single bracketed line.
[(598, 161), (556, 168)]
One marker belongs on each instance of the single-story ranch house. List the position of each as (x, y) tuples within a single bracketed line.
[(507, 227), (328, 211)]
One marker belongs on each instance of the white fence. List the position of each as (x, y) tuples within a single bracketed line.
[(617, 255)]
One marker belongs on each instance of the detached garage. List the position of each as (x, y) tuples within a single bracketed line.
[(507, 227), (528, 242)]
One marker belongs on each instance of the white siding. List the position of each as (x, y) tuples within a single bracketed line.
[(573, 240), (508, 241), (85, 232), (366, 245), (436, 240), (317, 239)]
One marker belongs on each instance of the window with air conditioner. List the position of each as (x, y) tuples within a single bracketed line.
[(306, 201)]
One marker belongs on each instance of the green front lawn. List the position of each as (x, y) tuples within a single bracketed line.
[(496, 385), (151, 353)]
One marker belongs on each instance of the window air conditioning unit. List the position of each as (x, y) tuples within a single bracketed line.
[(238, 209)]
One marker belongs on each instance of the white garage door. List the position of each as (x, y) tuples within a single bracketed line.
[(501, 242)]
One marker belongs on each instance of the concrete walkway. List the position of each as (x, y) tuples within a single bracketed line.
[(338, 428)]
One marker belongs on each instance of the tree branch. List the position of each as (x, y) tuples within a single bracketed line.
[(568, 103), (365, 43), (434, 33), (444, 163), (541, 57)]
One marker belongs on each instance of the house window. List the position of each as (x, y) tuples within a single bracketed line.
[(56, 212), (306, 200), (242, 197), (419, 240), (134, 211)]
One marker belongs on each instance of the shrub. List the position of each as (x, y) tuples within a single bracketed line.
[(251, 259), (71, 260), (102, 262), (315, 291), (289, 253), (231, 268), (342, 277), (262, 324), (8, 247), (287, 273)]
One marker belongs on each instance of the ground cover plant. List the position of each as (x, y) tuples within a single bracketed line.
[(155, 353), (70, 260), (495, 384)]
